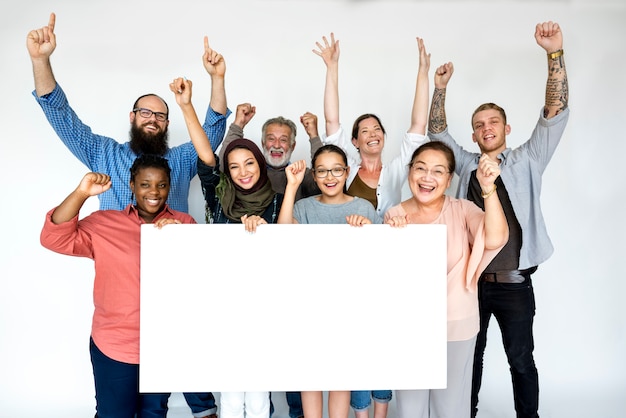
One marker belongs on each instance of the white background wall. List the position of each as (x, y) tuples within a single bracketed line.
[(110, 52)]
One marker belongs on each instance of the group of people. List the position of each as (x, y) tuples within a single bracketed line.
[(495, 230)]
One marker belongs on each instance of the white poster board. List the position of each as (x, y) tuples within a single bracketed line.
[(292, 308)]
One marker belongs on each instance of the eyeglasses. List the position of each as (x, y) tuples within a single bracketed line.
[(423, 171), (147, 113), (321, 173)]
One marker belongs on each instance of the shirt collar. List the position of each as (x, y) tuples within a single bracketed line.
[(131, 210)]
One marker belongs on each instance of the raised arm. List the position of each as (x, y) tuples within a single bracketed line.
[(244, 113), (41, 43), (549, 36), (182, 92), (295, 174), (216, 67), (92, 184), (437, 122), (496, 227), (419, 114), (330, 54), (309, 122)]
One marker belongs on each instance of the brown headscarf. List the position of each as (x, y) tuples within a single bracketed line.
[(236, 201)]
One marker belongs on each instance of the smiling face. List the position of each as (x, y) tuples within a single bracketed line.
[(429, 176), (277, 145), (243, 168), (331, 187), (490, 131), (151, 187), (369, 136), (147, 134), (150, 125)]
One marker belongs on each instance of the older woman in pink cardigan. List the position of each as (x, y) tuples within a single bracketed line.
[(474, 238)]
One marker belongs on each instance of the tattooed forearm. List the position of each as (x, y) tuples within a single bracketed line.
[(437, 121), (557, 89)]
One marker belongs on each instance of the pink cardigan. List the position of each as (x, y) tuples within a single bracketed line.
[(467, 258)]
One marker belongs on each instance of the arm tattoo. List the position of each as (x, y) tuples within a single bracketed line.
[(557, 89), (437, 121)]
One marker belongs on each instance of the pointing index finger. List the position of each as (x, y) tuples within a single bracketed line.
[(52, 22)]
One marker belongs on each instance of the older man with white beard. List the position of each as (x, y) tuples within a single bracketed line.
[(278, 142)]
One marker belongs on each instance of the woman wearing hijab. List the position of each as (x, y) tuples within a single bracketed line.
[(241, 193)]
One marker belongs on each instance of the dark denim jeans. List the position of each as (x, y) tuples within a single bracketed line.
[(117, 389), (202, 404), (294, 401), (117, 385), (513, 306)]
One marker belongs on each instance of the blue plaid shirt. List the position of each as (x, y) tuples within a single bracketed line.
[(105, 155)]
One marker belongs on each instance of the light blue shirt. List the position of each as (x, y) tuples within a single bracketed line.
[(105, 155), (521, 170)]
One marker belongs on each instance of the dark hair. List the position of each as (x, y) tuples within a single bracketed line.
[(488, 106), (150, 161), (436, 146), (167, 108), (243, 143), (328, 149), (355, 126)]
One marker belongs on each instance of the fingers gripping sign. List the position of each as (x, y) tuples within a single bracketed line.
[(252, 222), (165, 221)]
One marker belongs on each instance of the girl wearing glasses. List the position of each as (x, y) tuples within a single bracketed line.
[(474, 239), (369, 178), (333, 206)]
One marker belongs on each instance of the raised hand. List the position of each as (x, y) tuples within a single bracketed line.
[(213, 62), (245, 112), (295, 172), (94, 184), (309, 121), (548, 36), (443, 75), (329, 51), (181, 87), (424, 64), (42, 42), (487, 173)]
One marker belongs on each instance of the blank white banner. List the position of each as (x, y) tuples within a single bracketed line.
[(292, 308)]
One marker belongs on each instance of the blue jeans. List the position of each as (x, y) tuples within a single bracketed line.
[(513, 306), (362, 399), (202, 404), (117, 388), (294, 401)]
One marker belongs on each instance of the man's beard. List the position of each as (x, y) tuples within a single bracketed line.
[(276, 162), (144, 143)]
